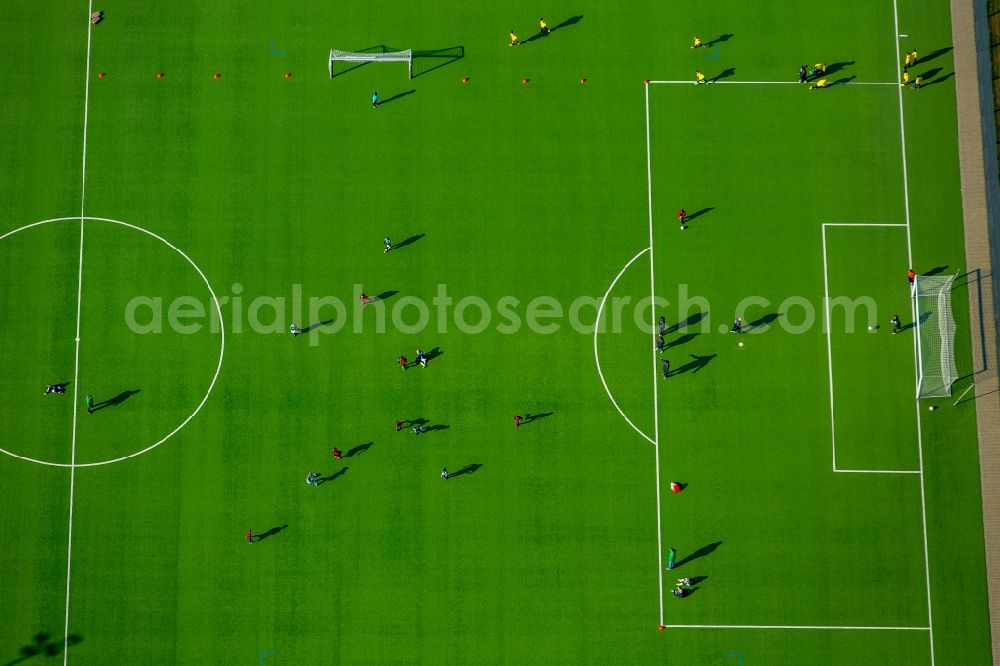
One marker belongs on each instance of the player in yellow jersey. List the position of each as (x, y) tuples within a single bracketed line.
[(906, 78), (543, 27), (514, 41), (917, 82), (819, 84), (820, 68), (699, 78), (697, 42)]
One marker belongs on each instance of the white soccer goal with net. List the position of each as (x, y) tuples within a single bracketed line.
[(362, 57), (935, 336)]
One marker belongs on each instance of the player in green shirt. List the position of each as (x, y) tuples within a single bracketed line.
[(90, 403)]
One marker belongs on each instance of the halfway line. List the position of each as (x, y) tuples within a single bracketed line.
[(76, 362)]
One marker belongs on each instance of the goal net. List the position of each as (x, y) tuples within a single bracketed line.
[(361, 57), (935, 336)]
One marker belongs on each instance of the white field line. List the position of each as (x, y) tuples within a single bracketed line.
[(916, 359), (878, 471), (597, 357), (656, 401), (829, 348), (774, 83), (76, 362), (792, 626), (864, 224)]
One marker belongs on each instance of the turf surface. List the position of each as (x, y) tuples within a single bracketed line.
[(542, 546)]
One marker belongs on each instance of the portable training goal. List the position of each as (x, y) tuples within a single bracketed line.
[(362, 57), (935, 336)]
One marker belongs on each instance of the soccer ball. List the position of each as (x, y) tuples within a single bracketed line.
[(741, 344), (871, 328)]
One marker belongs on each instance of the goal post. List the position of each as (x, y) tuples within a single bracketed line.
[(935, 325), (363, 57)]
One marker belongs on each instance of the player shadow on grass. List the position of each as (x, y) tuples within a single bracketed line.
[(698, 213), (528, 418), (933, 54), (468, 469), (408, 241), (762, 322), (383, 102), (358, 450), (843, 81), (836, 67), (695, 365), (385, 295), (436, 427), (691, 320), (270, 533), (923, 320), (701, 552), (718, 40), (724, 74), (926, 76), (43, 643), (316, 325), (338, 473), (115, 401), (940, 79), (687, 337), (433, 354)]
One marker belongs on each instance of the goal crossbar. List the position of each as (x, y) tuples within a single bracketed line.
[(406, 56)]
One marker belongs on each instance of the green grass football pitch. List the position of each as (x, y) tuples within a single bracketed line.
[(828, 517)]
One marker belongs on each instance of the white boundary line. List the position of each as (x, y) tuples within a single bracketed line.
[(76, 362), (877, 471), (916, 401), (656, 400), (864, 224), (597, 357), (774, 83), (791, 626), (218, 367)]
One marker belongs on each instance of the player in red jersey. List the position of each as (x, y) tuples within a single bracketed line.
[(337, 453), (403, 362), (249, 536), (517, 421), (364, 300)]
